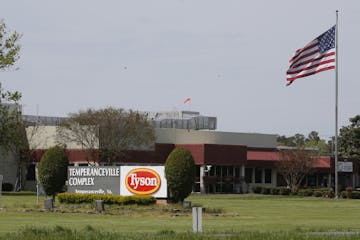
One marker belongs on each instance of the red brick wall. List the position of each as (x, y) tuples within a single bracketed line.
[(197, 151), (225, 154)]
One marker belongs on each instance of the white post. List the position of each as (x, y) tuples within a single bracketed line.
[(202, 174), (197, 219)]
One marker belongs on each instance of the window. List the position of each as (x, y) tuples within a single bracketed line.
[(224, 171), (197, 170), (230, 171), (218, 171), (248, 175), (31, 173), (258, 175), (237, 172), (268, 175)]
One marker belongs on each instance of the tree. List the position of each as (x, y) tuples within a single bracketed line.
[(313, 136), (349, 139), (12, 131), (10, 116), (180, 173), (312, 141), (294, 165), (112, 131), (293, 141), (82, 129), (9, 47), (53, 170)]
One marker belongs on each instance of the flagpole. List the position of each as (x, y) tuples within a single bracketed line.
[(336, 106)]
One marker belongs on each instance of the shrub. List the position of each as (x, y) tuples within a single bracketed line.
[(343, 194), (355, 195), (7, 187), (266, 190), (328, 193), (275, 191), (74, 198), (180, 173), (318, 193), (284, 191), (305, 192), (53, 170), (257, 189)]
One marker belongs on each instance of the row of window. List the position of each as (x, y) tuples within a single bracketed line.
[(256, 175), (225, 171)]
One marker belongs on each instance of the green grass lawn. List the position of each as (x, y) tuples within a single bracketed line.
[(225, 214)]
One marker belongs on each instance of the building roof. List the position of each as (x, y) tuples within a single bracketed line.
[(320, 162), (263, 155)]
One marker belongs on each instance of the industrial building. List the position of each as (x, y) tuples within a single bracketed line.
[(226, 162)]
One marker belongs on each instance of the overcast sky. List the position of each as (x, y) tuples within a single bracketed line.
[(229, 57)]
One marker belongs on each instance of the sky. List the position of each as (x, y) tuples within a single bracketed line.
[(229, 56)]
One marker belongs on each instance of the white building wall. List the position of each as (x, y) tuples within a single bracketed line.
[(44, 137)]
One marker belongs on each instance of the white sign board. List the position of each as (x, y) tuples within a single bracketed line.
[(143, 180), (345, 167)]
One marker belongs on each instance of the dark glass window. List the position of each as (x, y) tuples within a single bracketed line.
[(224, 171), (268, 175), (258, 175), (218, 171), (31, 173), (248, 175), (230, 171), (237, 172), (197, 171)]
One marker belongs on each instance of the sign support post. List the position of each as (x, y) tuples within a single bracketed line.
[(197, 219)]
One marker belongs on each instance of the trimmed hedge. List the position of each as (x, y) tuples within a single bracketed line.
[(350, 194), (307, 192), (71, 198)]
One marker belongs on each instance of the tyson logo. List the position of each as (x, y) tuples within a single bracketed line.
[(142, 181)]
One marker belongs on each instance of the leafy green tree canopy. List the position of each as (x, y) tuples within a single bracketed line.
[(180, 173), (349, 139), (11, 136), (9, 47), (300, 141), (53, 170)]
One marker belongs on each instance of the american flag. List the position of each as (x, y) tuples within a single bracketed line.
[(317, 56)]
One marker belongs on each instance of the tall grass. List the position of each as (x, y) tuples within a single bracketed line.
[(89, 233)]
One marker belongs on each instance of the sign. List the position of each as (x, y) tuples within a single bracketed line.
[(143, 180), (94, 180), (345, 167)]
